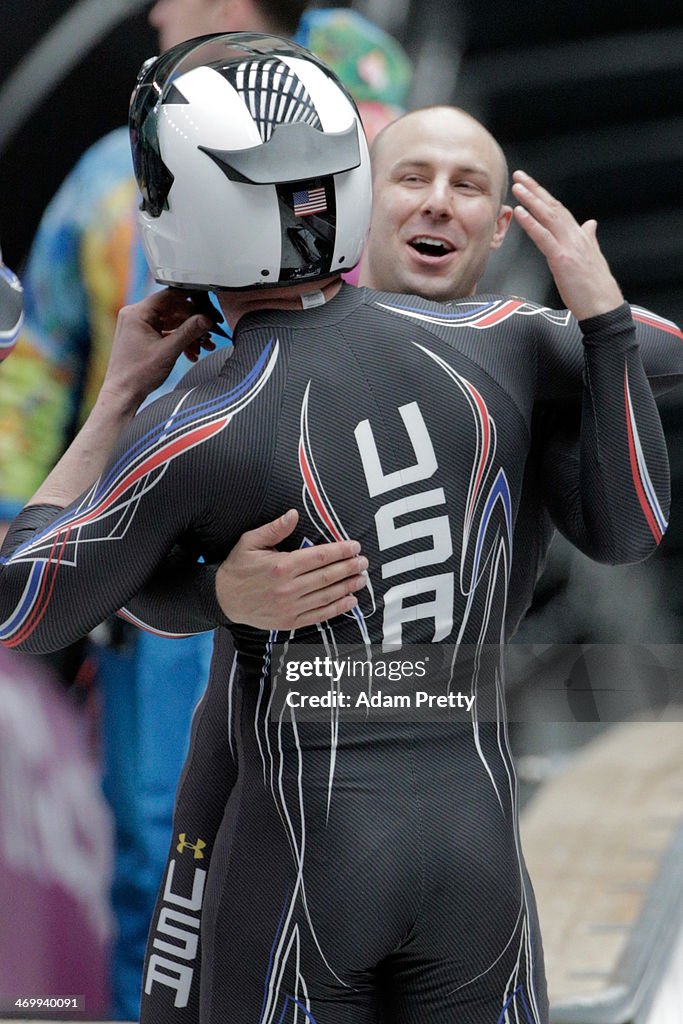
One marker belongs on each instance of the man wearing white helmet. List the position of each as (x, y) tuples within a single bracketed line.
[(352, 856), (86, 262)]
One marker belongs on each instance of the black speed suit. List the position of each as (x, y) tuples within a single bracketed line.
[(211, 769), (382, 418)]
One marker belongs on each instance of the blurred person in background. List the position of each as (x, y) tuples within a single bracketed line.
[(56, 850), (85, 263), (55, 830)]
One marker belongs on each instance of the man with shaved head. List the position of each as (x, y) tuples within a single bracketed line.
[(440, 181)]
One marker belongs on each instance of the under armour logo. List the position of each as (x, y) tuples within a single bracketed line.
[(184, 845)]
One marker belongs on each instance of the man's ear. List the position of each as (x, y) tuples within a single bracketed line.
[(503, 221)]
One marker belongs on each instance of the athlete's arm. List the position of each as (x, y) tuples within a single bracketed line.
[(257, 585), (613, 502), (264, 585), (661, 349), (148, 340), (64, 571)]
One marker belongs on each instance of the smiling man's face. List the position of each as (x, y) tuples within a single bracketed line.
[(438, 183)]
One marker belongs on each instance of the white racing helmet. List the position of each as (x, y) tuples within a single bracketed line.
[(252, 164)]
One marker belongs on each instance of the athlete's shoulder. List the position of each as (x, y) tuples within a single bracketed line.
[(315, 316), (206, 370), (476, 311)]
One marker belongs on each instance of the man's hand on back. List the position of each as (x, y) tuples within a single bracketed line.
[(270, 589)]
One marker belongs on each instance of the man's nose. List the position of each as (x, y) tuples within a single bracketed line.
[(438, 201)]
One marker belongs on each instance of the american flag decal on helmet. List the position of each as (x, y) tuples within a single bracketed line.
[(309, 200)]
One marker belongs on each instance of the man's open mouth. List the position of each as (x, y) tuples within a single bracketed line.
[(428, 246)]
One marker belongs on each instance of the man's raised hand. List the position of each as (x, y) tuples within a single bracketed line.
[(579, 268)]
